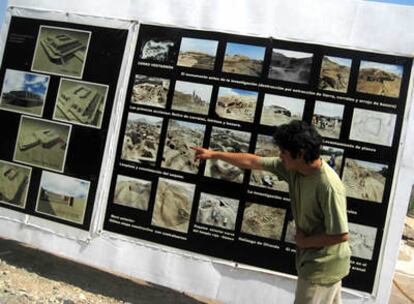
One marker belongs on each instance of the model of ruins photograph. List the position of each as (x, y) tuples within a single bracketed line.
[(24, 92), (217, 211), (231, 141), (14, 183), (290, 232), (141, 138), (197, 53), (61, 51), (160, 49), (380, 78), (327, 118), (364, 180), (243, 59), (181, 136), (62, 197), (333, 157), (150, 91), (264, 221), (81, 102), (192, 97), (335, 72), (278, 110), (362, 240), (290, 66), (132, 192), (373, 127), (42, 143), (236, 104), (173, 204)]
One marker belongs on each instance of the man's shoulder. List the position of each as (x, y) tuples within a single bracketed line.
[(330, 180)]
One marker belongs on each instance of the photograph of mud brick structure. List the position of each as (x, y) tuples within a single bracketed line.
[(333, 157), (236, 104), (14, 183), (362, 240), (243, 59), (132, 192), (291, 66), (197, 53), (335, 73), (159, 48), (150, 91), (327, 118), (278, 110), (192, 97)]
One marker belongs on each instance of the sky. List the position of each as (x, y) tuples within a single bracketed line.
[(294, 105), (402, 2), (341, 61), (251, 51), (392, 68), (64, 184), (329, 109), (229, 91), (202, 90), (199, 45), (24, 81)]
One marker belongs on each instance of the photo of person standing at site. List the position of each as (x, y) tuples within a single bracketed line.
[(318, 203)]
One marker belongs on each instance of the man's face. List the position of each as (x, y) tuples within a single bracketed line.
[(288, 161)]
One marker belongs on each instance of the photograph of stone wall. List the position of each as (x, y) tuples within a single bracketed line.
[(278, 110), (14, 183), (327, 118), (150, 91), (159, 49), (333, 157), (243, 59), (197, 53), (290, 66), (132, 192), (236, 104), (192, 97), (362, 240), (335, 72), (290, 232)]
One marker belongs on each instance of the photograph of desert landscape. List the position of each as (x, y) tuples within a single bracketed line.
[(278, 110), (333, 157), (132, 192), (150, 91), (362, 240), (14, 183), (218, 211), (142, 138), (173, 203), (243, 59), (192, 97), (364, 180), (290, 66), (159, 49), (379, 78), (263, 221), (327, 118), (231, 141), (335, 72), (62, 197), (197, 53), (236, 104), (290, 232), (181, 136), (373, 127)]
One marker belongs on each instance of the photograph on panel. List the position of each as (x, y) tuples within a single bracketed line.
[(231, 141), (81, 103), (132, 192), (150, 91), (335, 72), (141, 138), (197, 53), (364, 180), (192, 97), (380, 78), (290, 232), (63, 197), (24, 92), (173, 204), (244, 59), (236, 104), (14, 183), (265, 147), (327, 118), (181, 136), (264, 221), (373, 127), (218, 211), (333, 157), (61, 51), (290, 66), (42, 143), (278, 110), (160, 48), (362, 240)]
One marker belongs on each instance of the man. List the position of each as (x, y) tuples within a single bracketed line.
[(318, 204)]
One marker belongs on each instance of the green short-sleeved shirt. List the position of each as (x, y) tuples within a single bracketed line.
[(318, 206)]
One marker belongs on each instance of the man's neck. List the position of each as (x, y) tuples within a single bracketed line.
[(311, 168)]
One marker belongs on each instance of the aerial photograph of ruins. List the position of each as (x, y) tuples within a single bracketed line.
[(231, 141), (364, 180), (14, 183), (173, 204), (379, 78), (24, 92), (61, 51), (243, 59), (159, 49), (218, 211), (290, 66), (150, 91), (62, 197), (142, 138), (236, 104), (335, 72), (197, 53), (290, 232), (373, 127), (181, 136), (327, 118), (81, 102), (132, 192), (278, 110), (42, 143), (362, 240), (263, 221), (192, 97), (333, 157)]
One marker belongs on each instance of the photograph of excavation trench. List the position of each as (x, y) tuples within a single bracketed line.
[(335, 72), (14, 183), (327, 118), (243, 59), (290, 66), (192, 97), (333, 157), (236, 104), (132, 192), (197, 53), (150, 91), (362, 240), (278, 110)]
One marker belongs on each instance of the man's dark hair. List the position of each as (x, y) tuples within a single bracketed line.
[(298, 136)]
